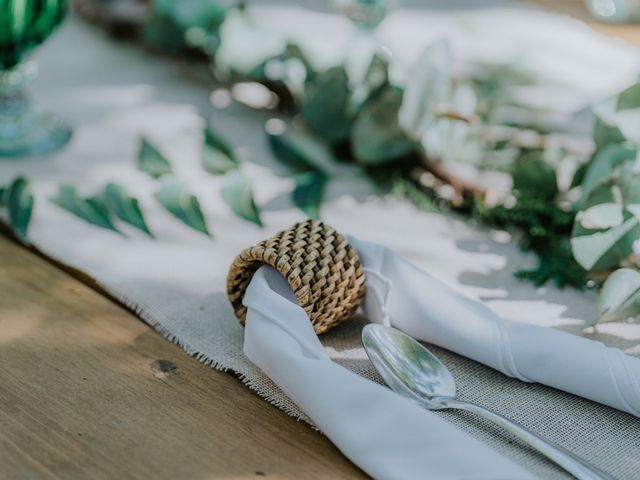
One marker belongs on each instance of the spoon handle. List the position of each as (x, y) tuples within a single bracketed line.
[(567, 460)]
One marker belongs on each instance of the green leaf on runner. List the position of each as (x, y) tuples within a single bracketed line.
[(619, 297), (300, 152), (151, 161), (19, 200), (629, 98), (90, 210), (238, 194), (217, 155), (174, 196), (325, 110), (308, 193), (376, 136), (126, 208)]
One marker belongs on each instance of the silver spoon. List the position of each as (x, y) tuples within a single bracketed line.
[(414, 372)]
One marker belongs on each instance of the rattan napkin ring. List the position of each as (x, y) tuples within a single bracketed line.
[(318, 262)]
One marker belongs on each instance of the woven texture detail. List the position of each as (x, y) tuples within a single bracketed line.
[(318, 262)]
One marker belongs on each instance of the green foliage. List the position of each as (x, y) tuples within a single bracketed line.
[(300, 152), (438, 119), (116, 200), (151, 161), (174, 196), (619, 297), (217, 156), (187, 24), (605, 160), (421, 199), (606, 228), (544, 228), (308, 192), (18, 198), (533, 177), (430, 84), (325, 106), (89, 209), (377, 137), (629, 98), (238, 194)]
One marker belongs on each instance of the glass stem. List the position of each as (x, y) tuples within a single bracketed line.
[(14, 101)]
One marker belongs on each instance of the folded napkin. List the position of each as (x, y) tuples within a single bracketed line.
[(403, 295), (387, 435)]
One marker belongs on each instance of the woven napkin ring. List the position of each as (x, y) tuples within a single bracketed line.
[(320, 265)]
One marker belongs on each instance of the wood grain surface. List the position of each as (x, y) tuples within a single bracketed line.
[(88, 391)]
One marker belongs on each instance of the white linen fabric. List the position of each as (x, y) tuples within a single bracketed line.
[(392, 437), (388, 436), (176, 282), (401, 294)]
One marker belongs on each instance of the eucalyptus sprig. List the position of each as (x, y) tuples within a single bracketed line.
[(417, 137), (17, 199)]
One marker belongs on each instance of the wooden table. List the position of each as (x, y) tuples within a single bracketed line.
[(89, 391)]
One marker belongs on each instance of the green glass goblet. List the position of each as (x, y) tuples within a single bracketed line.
[(24, 24)]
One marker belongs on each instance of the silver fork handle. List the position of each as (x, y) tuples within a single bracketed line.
[(567, 460)]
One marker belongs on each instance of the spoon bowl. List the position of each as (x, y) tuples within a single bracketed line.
[(405, 365)]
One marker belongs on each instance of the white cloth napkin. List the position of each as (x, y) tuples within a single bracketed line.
[(387, 435), (403, 295)]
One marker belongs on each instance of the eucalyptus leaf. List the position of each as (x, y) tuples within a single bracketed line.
[(19, 200), (619, 298), (449, 140), (578, 175), (602, 242), (217, 156), (245, 44), (601, 166), (605, 134), (430, 83), (308, 193), (625, 122), (602, 249), (190, 13), (376, 136), (300, 152), (367, 77), (126, 208), (325, 108), (90, 210), (377, 74), (629, 98), (238, 194), (174, 196), (175, 25), (628, 122), (602, 216), (151, 161)]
